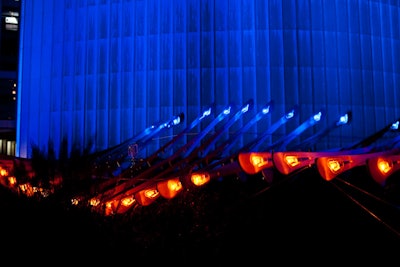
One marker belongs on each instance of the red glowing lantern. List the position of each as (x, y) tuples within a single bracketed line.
[(147, 196), (200, 178), (169, 188), (382, 167), (254, 162)]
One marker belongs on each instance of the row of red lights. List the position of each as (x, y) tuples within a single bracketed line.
[(329, 164), (380, 165)]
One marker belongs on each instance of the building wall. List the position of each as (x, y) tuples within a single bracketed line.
[(94, 73), (9, 42)]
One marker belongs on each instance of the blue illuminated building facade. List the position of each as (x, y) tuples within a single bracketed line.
[(93, 73)]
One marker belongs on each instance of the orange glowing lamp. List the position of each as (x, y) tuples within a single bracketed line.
[(110, 207), (335, 165), (23, 187), (382, 167), (94, 202), (12, 180), (169, 188), (330, 167), (3, 172), (199, 179), (288, 163), (127, 201), (147, 196), (255, 162), (75, 201), (125, 204), (292, 161)]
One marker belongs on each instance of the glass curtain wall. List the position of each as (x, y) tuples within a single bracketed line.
[(94, 73)]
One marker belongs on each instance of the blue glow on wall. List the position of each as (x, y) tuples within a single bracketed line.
[(93, 73)]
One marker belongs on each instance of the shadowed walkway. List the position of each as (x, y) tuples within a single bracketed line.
[(304, 217)]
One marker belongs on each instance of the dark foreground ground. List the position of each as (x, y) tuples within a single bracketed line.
[(302, 220)]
